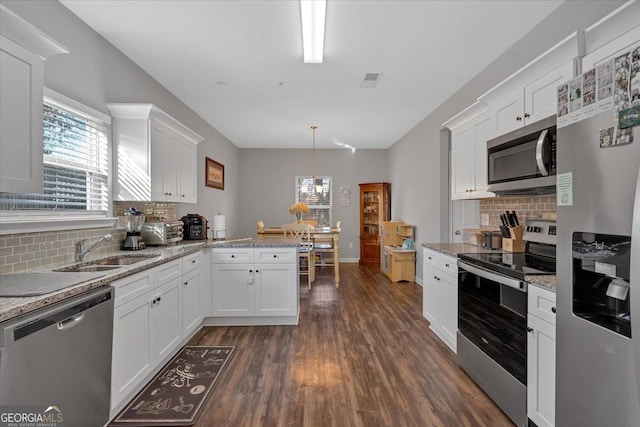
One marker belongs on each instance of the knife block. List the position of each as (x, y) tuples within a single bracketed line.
[(515, 243)]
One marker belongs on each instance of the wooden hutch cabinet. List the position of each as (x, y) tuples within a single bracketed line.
[(375, 207)]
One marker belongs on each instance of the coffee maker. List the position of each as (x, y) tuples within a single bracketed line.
[(133, 220)]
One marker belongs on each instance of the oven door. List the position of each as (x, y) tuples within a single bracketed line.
[(492, 314)]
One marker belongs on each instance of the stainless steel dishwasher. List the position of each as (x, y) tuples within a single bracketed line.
[(60, 357)]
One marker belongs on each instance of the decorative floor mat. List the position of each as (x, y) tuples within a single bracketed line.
[(176, 395)]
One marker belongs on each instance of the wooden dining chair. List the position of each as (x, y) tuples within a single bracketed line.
[(306, 253), (324, 245)]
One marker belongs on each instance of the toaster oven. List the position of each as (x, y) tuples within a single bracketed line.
[(161, 233)]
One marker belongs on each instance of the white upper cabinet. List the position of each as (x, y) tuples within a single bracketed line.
[(615, 33), (156, 156), (470, 131), (529, 95), (23, 50)]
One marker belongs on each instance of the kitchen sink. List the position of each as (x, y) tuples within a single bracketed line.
[(88, 268), (107, 264), (124, 259)]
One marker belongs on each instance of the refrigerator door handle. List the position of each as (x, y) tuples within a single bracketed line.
[(542, 139), (635, 282)]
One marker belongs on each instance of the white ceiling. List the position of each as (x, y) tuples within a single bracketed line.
[(427, 50)]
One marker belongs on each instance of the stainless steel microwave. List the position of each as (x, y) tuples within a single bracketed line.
[(524, 161)]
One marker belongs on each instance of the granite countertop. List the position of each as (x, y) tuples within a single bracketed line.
[(547, 281), (250, 242), (454, 249), (11, 307)]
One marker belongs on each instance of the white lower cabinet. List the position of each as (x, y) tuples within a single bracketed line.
[(166, 319), (155, 312), (254, 286), (541, 357), (191, 314), (132, 352), (192, 284), (233, 290), (440, 295), (274, 295)]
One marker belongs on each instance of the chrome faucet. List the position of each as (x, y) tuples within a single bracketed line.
[(81, 252)]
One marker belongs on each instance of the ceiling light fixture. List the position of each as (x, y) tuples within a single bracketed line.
[(343, 145), (313, 14), (316, 183)]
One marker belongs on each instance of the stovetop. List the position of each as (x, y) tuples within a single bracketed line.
[(514, 264)]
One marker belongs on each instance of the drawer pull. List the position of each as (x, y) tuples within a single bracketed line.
[(275, 256), (193, 261), (529, 329), (233, 256), (553, 310), (186, 283), (446, 265)]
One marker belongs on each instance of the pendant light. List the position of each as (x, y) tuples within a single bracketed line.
[(316, 182)]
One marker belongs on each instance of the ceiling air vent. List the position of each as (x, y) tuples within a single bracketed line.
[(370, 80)]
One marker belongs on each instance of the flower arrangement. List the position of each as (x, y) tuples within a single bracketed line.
[(298, 209)]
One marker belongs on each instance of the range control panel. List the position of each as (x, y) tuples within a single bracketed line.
[(540, 231)]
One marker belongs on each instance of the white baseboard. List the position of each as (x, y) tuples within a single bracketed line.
[(349, 259), (418, 280)]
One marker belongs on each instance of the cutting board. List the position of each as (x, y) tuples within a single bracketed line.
[(34, 284)]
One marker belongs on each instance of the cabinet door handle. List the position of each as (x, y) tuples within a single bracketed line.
[(446, 265), (529, 329), (275, 256), (257, 271), (182, 195), (553, 310), (518, 119), (186, 283), (250, 271), (527, 115), (193, 261), (233, 256)]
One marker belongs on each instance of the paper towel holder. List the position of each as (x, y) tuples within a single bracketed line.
[(219, 227)]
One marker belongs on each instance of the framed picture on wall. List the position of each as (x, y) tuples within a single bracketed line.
[(214, 174)]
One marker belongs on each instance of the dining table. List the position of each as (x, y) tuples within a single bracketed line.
[(319, 233)]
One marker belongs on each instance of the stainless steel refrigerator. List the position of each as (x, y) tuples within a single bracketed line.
[(598, 271)]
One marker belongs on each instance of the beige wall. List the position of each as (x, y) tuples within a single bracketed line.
[(267, 185)]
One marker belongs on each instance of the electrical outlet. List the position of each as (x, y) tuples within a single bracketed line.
[(484, 219), (350, 245)]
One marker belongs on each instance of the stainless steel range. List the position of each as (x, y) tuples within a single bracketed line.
[(492, 316)]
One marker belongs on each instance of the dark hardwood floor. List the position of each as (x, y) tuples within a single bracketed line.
[(362, 355)]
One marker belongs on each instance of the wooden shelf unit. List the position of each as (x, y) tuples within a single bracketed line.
[(375, 207)]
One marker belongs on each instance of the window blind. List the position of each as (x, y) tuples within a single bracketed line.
[(76, 166), (319, 202)]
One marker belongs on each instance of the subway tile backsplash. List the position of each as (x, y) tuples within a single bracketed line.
[(24, 251), (527, 207), (20, 252)]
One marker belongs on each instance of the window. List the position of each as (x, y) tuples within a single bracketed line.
[(319, 202), (76, 165)]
